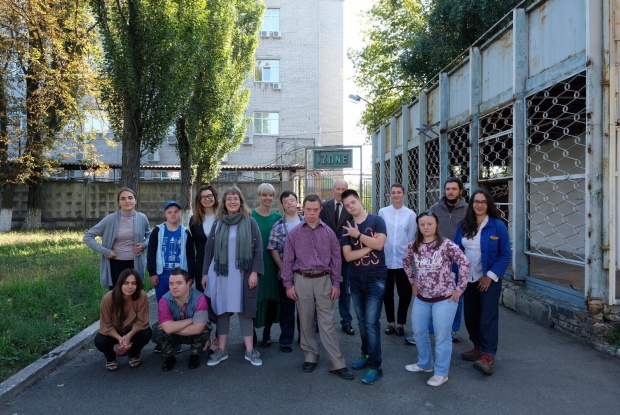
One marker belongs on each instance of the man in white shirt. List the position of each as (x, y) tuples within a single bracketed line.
[(401, 226)]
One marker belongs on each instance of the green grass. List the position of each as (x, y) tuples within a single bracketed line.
[(49, 291), (614, 339)]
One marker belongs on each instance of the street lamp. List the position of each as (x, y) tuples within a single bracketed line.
[(357, 99)]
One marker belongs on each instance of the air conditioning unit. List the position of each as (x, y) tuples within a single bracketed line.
[(277, 33), (276, 85), (154, 156), (248, 141), (265, 33)]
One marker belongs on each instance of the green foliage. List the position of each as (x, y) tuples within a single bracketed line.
[(47, 49), (224, 55), (146, 70), (49, 291), (409, 41)]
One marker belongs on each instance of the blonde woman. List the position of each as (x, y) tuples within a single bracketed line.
[(269, 290)]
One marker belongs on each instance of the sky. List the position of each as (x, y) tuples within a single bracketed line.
[(353, 23)]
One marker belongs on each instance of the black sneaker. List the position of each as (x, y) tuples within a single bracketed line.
[(169, 363), (194, 361)]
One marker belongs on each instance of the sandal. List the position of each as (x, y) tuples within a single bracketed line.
[(111, 366), (134, 362)]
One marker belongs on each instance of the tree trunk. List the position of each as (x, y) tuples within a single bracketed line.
[(33, 212), (6, 210), (185, 157), (130, 168)]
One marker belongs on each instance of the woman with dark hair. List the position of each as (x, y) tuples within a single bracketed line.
[(428, 263), (205, 207), (233, 260), (124, 237), (124, 321), (484, 238)]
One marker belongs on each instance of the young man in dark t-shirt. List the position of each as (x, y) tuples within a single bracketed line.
[(362, 243)]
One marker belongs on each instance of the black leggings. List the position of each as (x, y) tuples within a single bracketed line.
[(118, 266), (105, 344), (405, 293)]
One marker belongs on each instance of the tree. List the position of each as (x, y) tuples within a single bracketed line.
[(213, 121), (47, 51), (409, 41), (145, 72)]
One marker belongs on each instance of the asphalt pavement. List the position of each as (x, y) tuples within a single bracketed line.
[(538, 371)]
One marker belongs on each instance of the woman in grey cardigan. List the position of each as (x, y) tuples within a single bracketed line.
[(124, 237)]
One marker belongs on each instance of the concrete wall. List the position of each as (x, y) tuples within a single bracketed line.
[(77, 204)]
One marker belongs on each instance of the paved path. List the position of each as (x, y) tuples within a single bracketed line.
[(537, 371)]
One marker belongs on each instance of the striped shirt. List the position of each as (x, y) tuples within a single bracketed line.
[(309, 249)]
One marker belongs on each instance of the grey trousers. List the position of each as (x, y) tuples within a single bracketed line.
[(315, 296)]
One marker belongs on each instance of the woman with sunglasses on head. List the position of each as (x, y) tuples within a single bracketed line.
[(484, 238), (428, 263), (124, 321), (205, 207)]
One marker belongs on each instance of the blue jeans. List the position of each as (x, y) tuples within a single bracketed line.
[(442, 315), (482, 315), (456, 324), (367, 293), (344, 301)]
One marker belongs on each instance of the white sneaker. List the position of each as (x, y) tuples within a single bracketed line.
[(253, 356), (437, 380), (415, 368), (217, 357)]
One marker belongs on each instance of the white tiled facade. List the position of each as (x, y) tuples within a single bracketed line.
[(309, 52)]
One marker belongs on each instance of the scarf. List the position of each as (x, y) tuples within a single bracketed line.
[(243, 251)]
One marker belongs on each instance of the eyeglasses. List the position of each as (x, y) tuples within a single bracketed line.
[(207, 197), (480, 202), (427, 213)]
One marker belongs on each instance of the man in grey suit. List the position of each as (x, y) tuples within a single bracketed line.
[(336, 216)]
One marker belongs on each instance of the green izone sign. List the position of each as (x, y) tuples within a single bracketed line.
[(333, 159)]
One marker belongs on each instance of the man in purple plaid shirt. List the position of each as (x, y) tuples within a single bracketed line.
[(311, 275)]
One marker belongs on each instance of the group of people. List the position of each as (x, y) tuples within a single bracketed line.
[(264, 266)]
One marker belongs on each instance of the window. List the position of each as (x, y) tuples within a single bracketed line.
[(267, 71), (271, 20), (265, 176), (266, 123), (166, 175)]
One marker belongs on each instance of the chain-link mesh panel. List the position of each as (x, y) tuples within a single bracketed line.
[(433, 186), (495, 148), (386, 184), (555, 177), (459, 153), (377, 184), (413, 183), (398, 169)]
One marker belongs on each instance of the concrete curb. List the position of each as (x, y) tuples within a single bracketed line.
[(29, 375), (17, 383)]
